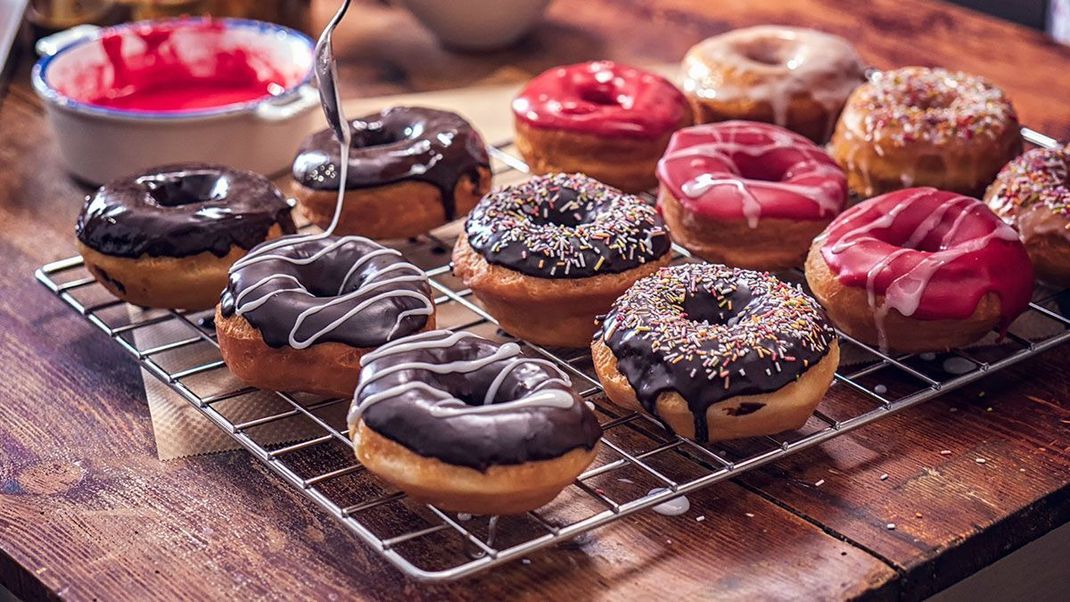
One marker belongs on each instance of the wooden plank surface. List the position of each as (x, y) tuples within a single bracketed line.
[(87, 512)]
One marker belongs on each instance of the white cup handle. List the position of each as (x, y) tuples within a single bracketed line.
[(285, 109), (51, 44)]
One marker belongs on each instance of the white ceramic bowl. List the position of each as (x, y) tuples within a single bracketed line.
[(477, 24), (99, 144)]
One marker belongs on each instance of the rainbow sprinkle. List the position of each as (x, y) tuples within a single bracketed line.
[(931, 105), (1039, 177), (566, 226)]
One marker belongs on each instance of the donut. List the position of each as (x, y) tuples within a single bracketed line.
[(918, 126), (792, 77), (1031, 193), (716, 352), (920, 270), (409, 171), (165, 237), (546, 256), (298, 313), (469, 425), (747, 194), (606, 120)]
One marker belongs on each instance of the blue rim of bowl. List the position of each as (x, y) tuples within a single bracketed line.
[(46, 91)]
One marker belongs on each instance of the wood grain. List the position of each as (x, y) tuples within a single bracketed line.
[(87, 512)]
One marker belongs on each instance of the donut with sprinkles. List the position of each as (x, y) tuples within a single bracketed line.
[(1032, 193), (548, 255), (920, 126), (716, 352)]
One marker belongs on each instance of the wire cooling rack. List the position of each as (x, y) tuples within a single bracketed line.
[(303, 439)]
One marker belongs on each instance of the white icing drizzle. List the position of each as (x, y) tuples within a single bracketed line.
[(784, 62), (884, 221), (447, 405), (905, 292), (263, 253), (725, 144)]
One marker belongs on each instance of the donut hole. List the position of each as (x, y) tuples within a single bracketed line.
[(334, 279), (511, 379), (762, 169), (700, 306), (185, 188), (569, 209), (768, 51), (374, 136), (322, 288), (605, 95), (368, 134)]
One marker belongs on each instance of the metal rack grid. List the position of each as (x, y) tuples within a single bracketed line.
[(639, 465)]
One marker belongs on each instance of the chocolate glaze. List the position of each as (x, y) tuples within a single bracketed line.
[(398, 144), (475, 440), (293, 288), (566, 226), (182, 210), (710, 332)]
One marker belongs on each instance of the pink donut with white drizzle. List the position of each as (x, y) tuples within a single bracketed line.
[(920, 270), (748, 194)]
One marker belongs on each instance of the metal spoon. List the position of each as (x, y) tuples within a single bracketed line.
[(327, 78)]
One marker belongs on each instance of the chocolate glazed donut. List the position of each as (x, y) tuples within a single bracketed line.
[(165, 237), (410, 170), (298, 313), (717, 352), (470, 425), (548, 255)]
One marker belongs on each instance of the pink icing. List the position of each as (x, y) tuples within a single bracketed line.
[(602, 98), (931, 254), (747, 170)]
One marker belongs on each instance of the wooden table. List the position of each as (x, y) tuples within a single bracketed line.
[(87, 512)]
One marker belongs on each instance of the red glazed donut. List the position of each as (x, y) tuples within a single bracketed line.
[(920, 270), (748, 194), (608, 121)]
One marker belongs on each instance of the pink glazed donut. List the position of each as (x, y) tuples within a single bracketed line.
[(919, 270), (748, 194), (608, 121)]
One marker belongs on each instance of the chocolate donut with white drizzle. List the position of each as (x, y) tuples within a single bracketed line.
[(299, 313), (469, 424), (346, 289)]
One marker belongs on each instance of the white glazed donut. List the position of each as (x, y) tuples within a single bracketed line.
[(793, 77)]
